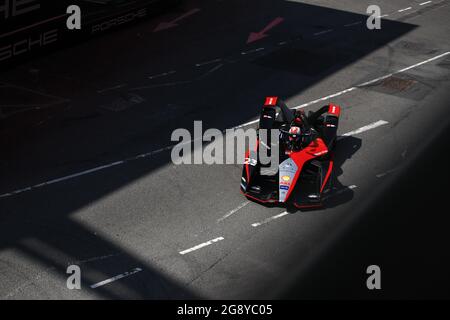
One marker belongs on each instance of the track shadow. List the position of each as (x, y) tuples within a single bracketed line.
[(43, 224), (346, 147)]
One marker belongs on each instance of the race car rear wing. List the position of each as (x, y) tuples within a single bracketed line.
[(275, 109)]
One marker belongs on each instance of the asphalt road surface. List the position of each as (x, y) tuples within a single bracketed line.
[(87, 177)]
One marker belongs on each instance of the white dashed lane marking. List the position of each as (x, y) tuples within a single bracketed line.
[(365, 128), (202, 245), (405, 9), (322, 32), (231, 212), (115, 278), (207, 62), (380, 175), (162, 75), (112, 88), (352, 24), (278, 216)]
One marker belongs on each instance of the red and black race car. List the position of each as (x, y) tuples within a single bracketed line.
[(306, 144)]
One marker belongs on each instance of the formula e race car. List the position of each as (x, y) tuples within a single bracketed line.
[(306, 144)]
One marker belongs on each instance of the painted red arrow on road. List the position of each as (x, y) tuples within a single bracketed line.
[(173, 23), (255, 36)]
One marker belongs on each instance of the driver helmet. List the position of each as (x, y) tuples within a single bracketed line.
[(295, 134)]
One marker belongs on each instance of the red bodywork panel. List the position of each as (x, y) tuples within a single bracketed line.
[(271, 101), (330, 168), (335, 110), (313, 150)]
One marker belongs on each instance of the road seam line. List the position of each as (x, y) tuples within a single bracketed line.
[(162, 74), (252, 51), (385, 173)]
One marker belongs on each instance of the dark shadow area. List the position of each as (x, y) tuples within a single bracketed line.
[(405, 233), (85, 133), (35, 28), (346, 147)]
